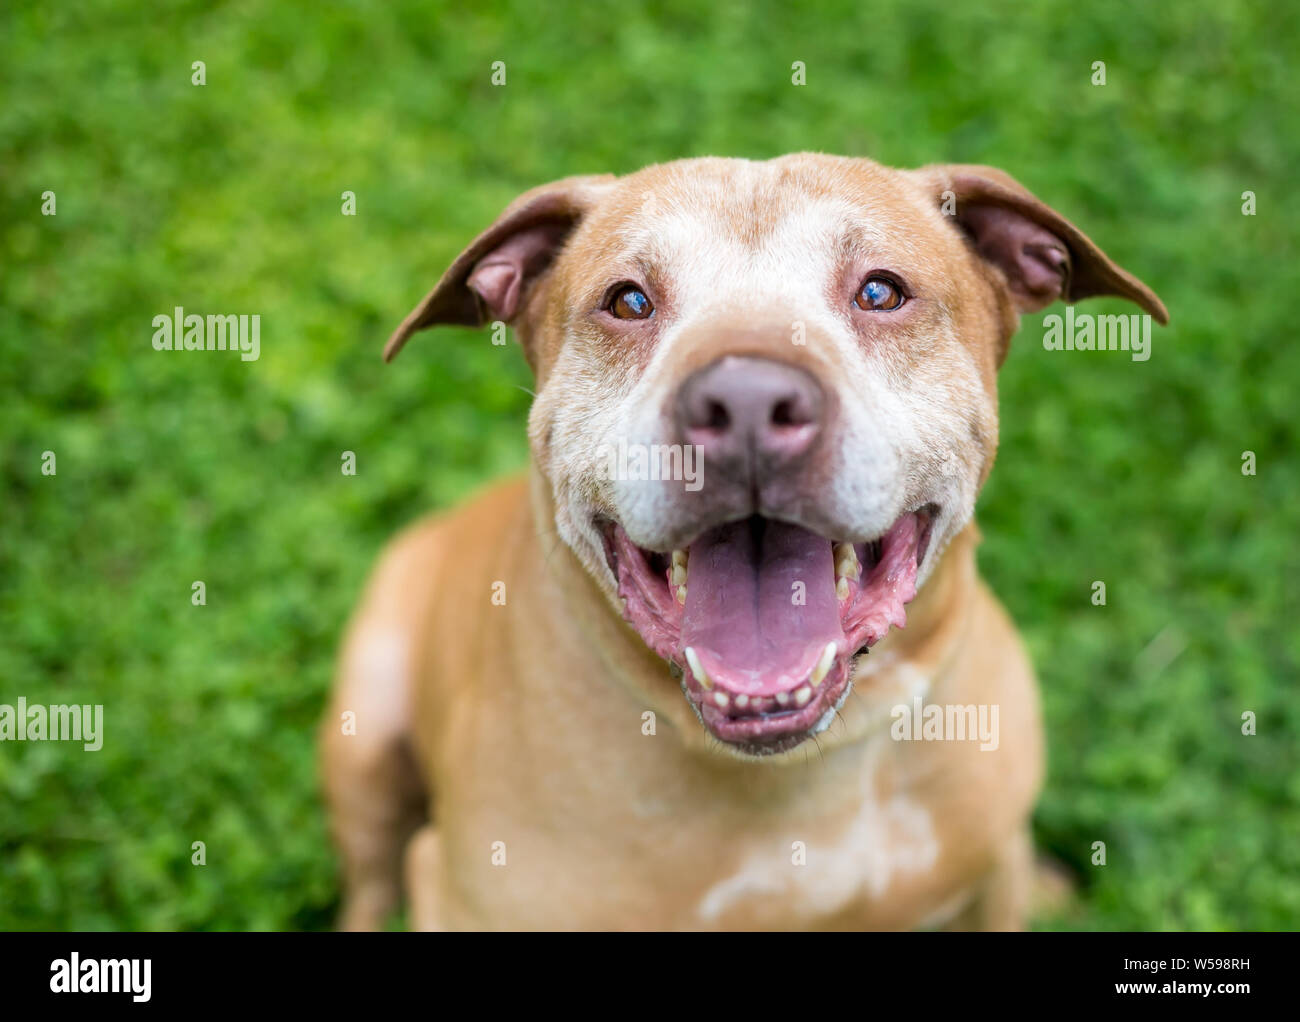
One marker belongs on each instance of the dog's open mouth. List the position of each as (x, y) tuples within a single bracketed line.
[(764, 618)]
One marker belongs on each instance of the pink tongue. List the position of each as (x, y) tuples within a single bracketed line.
[(754, 630)]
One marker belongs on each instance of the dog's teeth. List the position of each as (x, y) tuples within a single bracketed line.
[(742, 701), (679, 568), (823, 665), (841, 588), (681, 595), (846, 561), (783, 698), (801, 695), (697, 668), (721, 699)]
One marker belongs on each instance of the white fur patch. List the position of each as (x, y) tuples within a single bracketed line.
[(380, 659), (882, 842)]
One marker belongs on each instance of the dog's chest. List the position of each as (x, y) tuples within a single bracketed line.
[(805, 875), (692, 859)]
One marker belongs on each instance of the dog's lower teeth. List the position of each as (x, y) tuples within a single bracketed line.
[(721, 699), (697, 668), (823, 665), (742, 701), (802, 694), (782, 698)]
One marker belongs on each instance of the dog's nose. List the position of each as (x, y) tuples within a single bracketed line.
[(750, 413)]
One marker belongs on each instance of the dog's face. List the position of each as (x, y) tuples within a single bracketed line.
[(766, 397)]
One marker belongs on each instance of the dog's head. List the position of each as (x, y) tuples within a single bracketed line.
[(766, 396)]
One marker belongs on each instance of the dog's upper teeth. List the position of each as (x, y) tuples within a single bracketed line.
[(846, 561), (841, 588), (681, 595), (679, 568), (697, 668), (823, 665)]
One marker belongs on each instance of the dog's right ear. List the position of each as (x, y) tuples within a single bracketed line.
[(489, 279), (1041, 256)]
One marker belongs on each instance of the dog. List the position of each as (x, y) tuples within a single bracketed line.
[(661, 689)]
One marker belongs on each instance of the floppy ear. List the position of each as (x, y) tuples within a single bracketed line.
[(488, 280), (1042, 255)]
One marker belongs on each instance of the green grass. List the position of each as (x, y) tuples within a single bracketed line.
[(176, 468)]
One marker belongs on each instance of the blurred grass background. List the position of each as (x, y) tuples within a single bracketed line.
[(226, 198)]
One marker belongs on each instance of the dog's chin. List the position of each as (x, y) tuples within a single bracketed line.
[(761, 619)]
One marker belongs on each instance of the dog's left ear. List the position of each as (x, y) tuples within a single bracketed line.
[(489, 279), (1042, 255)]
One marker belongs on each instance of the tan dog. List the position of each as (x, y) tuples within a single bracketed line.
[(593, 699)]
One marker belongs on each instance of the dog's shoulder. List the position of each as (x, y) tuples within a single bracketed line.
[(416, 564)]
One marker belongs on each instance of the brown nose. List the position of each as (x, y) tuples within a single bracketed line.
[(750, 414)]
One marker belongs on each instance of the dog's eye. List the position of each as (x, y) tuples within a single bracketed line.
[(879, 294), (631, 303)]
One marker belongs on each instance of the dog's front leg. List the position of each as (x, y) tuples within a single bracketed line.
[(1003, 899), (423, 867)]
